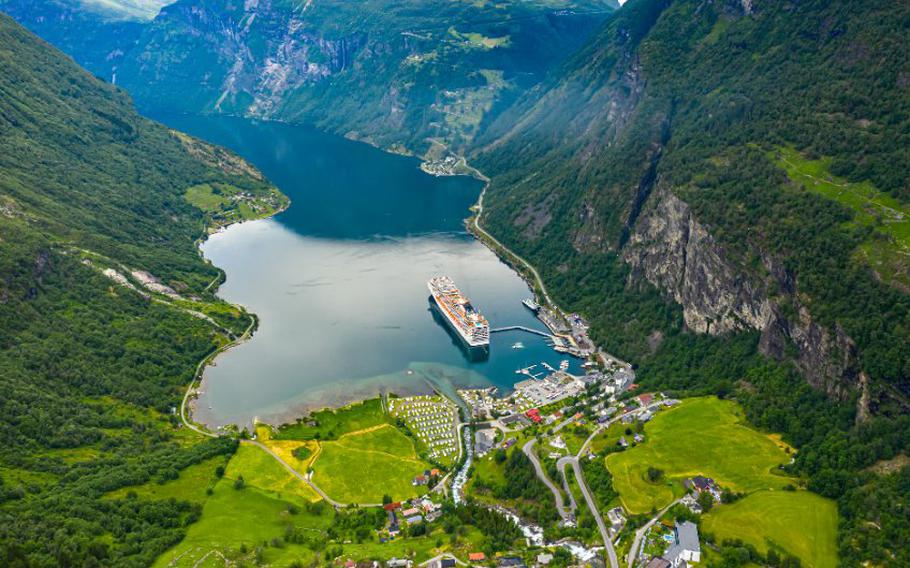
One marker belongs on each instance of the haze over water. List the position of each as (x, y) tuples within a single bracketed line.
[(339, 280)]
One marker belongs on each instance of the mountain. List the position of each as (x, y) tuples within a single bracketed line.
[(721, 185), (106, 308), (677, 147), (410, 76)]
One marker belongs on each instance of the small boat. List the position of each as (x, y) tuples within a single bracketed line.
[(518, 345)]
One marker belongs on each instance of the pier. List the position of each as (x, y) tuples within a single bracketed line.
[(521, 328)]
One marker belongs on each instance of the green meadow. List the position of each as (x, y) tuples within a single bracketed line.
[(330, 424), (702, 436), (233, 518), (362, 466), (800, 523)]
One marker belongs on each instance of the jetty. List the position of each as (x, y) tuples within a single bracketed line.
[(521, 328)]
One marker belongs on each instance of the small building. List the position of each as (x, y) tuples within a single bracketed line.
[(398, 563), (410, 512), (514, 561), (638, 438), (544, 558), (534, 415), (420, 480), (477, 556), (645, 399), (658, 562), (392, 506), (645, 416), (622, 442), (447, 563), (414, 520)]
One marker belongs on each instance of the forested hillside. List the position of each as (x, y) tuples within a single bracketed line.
[(714, 183), (105, 310)]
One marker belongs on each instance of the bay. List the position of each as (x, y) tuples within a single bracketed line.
[(339, 280)]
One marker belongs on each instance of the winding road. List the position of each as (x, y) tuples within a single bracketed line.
[(566, 514)]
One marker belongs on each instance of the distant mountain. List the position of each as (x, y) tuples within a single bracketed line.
[(105, 308), (407, 75)]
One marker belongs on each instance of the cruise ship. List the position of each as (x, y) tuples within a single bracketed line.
[(470, 324)]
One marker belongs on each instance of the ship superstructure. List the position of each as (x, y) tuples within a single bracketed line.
[(470, 324)]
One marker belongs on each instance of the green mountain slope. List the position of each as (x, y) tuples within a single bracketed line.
[(413, 76), (94, 354), (714, 181)]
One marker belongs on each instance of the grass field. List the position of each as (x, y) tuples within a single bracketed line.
[(890, 256), (251, 516), (331, 424), (800, 523), (362, 466), (701, 436)]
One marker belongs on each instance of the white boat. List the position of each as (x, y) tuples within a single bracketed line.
[(472, 327), (531, 304)]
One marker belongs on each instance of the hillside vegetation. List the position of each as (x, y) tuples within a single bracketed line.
[(101, 297)]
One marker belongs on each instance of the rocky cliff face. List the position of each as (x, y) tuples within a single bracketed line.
[(670, 249)]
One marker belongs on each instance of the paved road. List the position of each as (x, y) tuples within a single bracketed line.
[(528, 450), (640, 533), (592, 506)]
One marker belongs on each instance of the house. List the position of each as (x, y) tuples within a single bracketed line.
[(477, 556), (513, 561), (638, 438), (700, 484), (420, 480), (658, 562), (623, 442), (398, 563), (544, 558), (645, 399), (645, 416), (392, 506), (692, 503), (447, 563), (410, 512), (508, 443), (685, 548), (414, 520), (534, 415)]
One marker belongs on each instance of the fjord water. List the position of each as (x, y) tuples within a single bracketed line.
[(339, 280)]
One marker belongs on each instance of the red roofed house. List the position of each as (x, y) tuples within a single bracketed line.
[(391, 506), (534, 415), (477, 556), (645, 399)]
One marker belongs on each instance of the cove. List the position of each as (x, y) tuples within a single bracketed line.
[(339, 280)]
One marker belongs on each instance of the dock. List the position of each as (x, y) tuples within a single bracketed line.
[(521, 328)]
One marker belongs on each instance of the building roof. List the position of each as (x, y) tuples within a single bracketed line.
[(447, 563), (476, 556), (658, 562), (687, 536)]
